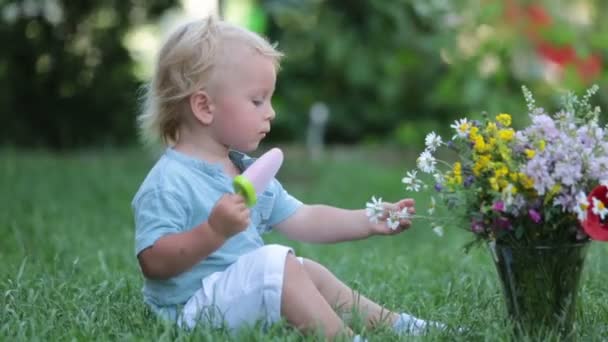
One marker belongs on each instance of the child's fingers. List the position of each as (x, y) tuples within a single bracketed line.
[(405, 223), (407, 202)]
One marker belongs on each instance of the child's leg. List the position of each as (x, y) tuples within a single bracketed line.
[(340, 295), (303, 305)]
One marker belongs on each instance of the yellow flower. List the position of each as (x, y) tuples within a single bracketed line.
[(501, 170), (529, 153), (473, 131), (526, 181), (490, 143), (552, 192), (506, 134), (491, 128), (513, 176), (505, 152), (479, 144), (541, 145), (493, 183), (502, 184), (481, 164), (457, 169), (504, 119)]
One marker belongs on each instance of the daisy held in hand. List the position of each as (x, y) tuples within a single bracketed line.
[(396, 216)]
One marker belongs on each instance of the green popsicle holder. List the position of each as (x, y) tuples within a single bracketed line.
[(244, 187)]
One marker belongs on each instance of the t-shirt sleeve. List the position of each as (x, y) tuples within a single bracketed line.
[(157, 213), (284, 206)]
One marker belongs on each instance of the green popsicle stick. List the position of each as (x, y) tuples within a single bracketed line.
[(244, 187)]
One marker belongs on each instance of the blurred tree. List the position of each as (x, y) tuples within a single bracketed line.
[(66, 77), (401, 68), (370, 61)]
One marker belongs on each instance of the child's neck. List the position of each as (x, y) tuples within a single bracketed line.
[(214, 155)]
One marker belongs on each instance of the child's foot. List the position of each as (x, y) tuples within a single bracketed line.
[(412, 326)]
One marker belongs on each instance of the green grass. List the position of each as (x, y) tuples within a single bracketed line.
[(68, 271)]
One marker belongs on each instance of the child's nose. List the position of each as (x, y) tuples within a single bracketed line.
[(271, 114)]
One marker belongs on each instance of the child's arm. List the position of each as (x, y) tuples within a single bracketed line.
[(326, 224), (175, 253)]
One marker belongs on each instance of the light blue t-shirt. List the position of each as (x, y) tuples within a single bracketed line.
[(177, 195)]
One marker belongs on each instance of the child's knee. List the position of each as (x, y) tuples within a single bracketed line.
[(292, 263)]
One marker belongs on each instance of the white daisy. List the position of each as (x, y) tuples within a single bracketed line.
[(374, 209), (426, 162), (439, 177), (582, 205), (393, 219), (599, 208), (507, 196), (404, 214), (462, 128), (412, 183), (432, 141), (432, 206)]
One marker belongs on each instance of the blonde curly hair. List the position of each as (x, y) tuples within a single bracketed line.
[(185, 64)]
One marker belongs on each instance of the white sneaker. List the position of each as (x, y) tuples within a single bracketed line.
[(358, 338), (413, 326)]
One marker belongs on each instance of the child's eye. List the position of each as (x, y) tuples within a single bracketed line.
[(257, 102)]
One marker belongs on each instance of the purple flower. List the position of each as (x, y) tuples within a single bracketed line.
[(438, 187), (477, 226), (502, 223), (468, 181), (499, 206), (534, 215)]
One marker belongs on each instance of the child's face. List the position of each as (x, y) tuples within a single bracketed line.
[(243, 109)]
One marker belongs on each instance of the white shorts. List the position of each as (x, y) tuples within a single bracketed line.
[(247, 292)]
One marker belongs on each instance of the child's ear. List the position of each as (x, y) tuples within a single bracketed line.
[(202, 107)]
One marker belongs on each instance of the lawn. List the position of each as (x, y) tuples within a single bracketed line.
[(68, 271)]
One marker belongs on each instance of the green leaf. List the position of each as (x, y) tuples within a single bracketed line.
[(519, 232)]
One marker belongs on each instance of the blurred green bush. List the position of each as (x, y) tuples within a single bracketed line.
[(66, 76), (389, 71)]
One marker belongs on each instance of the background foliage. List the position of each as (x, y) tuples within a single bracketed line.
[(389, 71), (397, 69), (66, 76)]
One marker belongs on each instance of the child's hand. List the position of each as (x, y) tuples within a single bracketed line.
[(395, 217), (230, 215)]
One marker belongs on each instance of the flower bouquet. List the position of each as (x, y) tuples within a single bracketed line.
[(535, 196)]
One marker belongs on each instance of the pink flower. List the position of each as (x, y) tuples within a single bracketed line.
[(593, 225), (476, 226), (534, 215), (499, 206)]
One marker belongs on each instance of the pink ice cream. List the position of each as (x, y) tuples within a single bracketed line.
[(263, 170)]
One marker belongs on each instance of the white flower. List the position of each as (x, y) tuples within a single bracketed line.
[(432, 141), (582, 204), (438, 230), (404, 214), (394, 216), (439, 177), (599, 208), (374, 209), (462, 128), (507, 195), (412, 183), (432, 206), (426, 162), (392, 224)]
